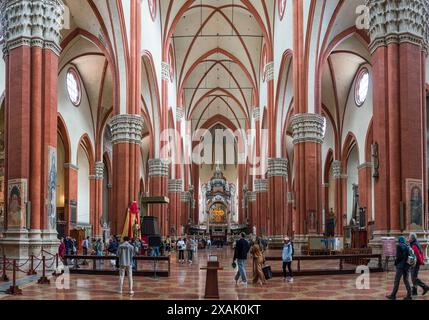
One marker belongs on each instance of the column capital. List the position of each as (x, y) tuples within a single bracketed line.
[(71, 166), (99, 170), (175, 185), (269, 71), (251, 196), (179, 113), (278, 167), (185, 196), (33, 23), (336, 169), (398, 22), (256, 113), (158, 168), (261, 185), (165, 71), (126, 128), (307, 127)]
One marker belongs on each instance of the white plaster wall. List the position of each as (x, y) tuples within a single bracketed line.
[(2, 75), (357, 119), (78, 120), (60, 173), (83, 188), (151, 37), (328, 143)]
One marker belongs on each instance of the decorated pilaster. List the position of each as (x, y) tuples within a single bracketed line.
[(307, 130), (31, 48), (399, 46), (158, 186), (126, 130), (175, 189), (97, 180), (277, 181), (263, 222)]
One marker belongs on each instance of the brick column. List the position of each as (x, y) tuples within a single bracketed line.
[(365, 188), (277, 185), (399, 46), (175, 189), (126, 130), (158, 186), (340, 209), (31, 49), (98, 178), (70, 193), (251, 208), (263, 222), (185, 199), (307, 138)]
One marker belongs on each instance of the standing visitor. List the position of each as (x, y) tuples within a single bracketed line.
[(402, 269), (112, 249), (69, 246), (189, 249), (168, 244), (240, 254), (209, 243), (181, 248), (62, 249), (287, 259), (258, 260), (418, 251), (85, 246), (126, 255)]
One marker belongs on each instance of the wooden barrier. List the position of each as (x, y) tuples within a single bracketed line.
[(96, 271), (341, 258)]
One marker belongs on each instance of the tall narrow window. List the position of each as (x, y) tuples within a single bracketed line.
[(282, 8), (362, 87), (152, 9)]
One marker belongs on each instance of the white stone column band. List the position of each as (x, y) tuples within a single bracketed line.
[(336, 169), (251, 196), (165, 71), (33, 23), (185, 196), (261, 185), (175, 185), (99, 170), (277, 167), (126, 128), (269, 71), (398, 22), (307, 127), (158, 168), (179, 114)]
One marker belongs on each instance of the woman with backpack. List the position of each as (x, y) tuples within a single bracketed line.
[(402, 263), (420, 261), (287, 255)]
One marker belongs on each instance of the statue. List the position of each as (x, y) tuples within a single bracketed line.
[(132, 222)]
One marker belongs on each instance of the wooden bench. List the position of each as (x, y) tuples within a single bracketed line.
[(340, 257), (76, 269)]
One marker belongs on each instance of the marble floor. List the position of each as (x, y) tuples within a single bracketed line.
[(187, 282)]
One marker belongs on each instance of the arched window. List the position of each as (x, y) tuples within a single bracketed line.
[(152, 9), (282, 8), (73, 86), (362, 87)]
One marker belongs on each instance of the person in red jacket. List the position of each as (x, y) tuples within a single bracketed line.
[(62, 249), (415, 245)]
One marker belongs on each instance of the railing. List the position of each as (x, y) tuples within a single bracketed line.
[(97, 267), (34, 263), (341, 259)]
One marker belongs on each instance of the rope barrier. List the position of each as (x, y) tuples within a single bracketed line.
[(31, 271), (4, 276), (14, 289)]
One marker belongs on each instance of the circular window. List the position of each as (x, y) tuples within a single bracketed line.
[(152, 8), (73, 87), (282, 8), (362, 87)]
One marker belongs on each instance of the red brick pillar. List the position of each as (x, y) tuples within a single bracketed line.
[(98, 199), (31, 49), (252, 209), (158, 187), (175, 189), (307, 137), (263, 223), (398, 47), (340, 208), (185, 200), (365, 190), (70, 194), (126, 138), (277, 186)]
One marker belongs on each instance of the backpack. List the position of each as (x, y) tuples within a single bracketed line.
[(412, 259)]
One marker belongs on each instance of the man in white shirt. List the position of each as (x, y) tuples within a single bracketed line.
[(126, 255), (181, 248)]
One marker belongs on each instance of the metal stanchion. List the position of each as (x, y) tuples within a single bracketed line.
[(31, 271), (4, 276), (55, 273), (43, 279), (14, 289)]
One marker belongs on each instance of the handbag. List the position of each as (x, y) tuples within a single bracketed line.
[(234, 265), (267, 272)]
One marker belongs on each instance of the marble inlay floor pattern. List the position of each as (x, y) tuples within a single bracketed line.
[(187, 282)]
